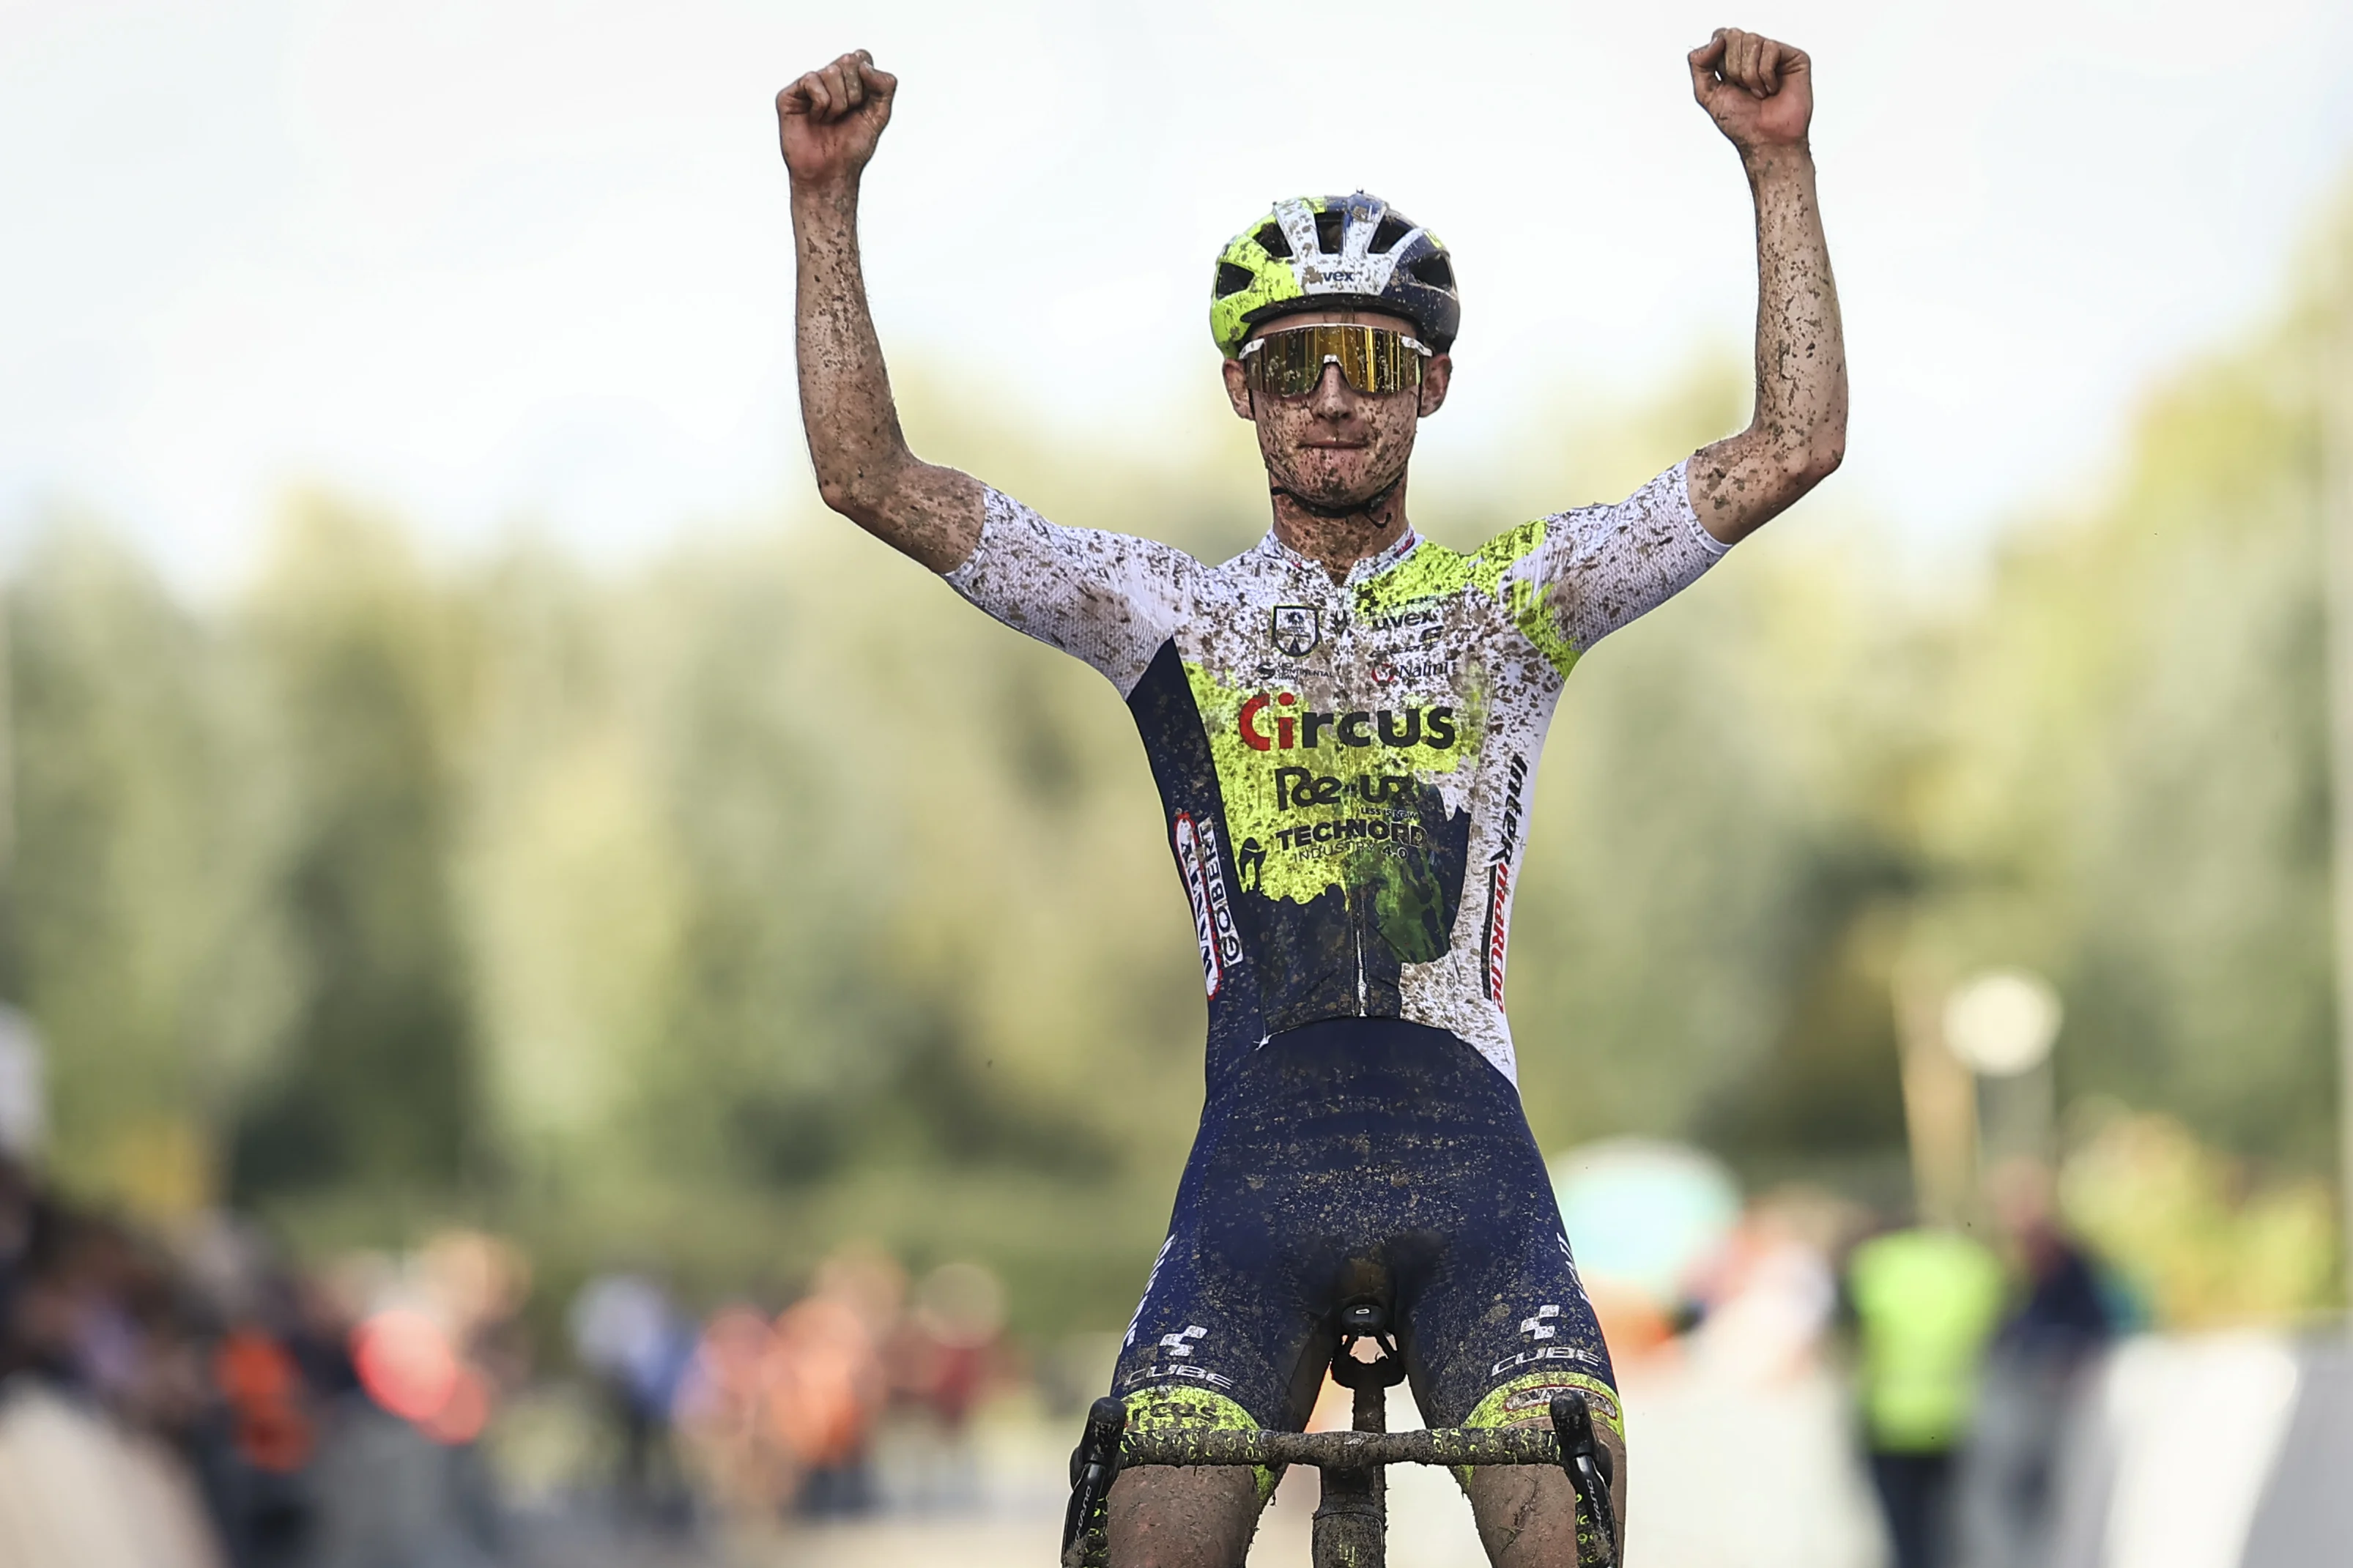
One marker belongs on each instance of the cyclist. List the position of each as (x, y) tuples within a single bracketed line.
[(1343, 723)]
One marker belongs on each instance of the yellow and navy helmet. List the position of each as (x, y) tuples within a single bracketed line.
[(1333, 250)]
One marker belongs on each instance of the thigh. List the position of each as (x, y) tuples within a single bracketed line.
[(1279, 1213), (1500, 1324), (1498, 1329), (1220, 1340), (1231, 1331)]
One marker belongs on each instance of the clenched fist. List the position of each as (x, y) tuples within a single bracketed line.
[(1759, 92), (829, 120)]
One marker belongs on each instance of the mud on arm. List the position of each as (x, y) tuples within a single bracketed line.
[(829, 121), (1760, 94)]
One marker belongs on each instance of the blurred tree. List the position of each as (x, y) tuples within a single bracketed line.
[(2137, 801), (2199, 1241), (573, 887), (768, 893), (145, 939), (361, 670)]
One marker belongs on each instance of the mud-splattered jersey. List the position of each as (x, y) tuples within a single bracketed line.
[(1346, 767)]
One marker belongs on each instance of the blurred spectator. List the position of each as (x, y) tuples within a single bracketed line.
[(780, 1416), (96, 1382), (257, 1477), (433, 1345), (723, 1413), (206, 1406), (1926, 1303), (950, 1340), (1769, 1294), (439, 1342), (2041, 1361), (627, 1333), (830, 1386), (945, 1357), (2064, 1314), (18, 1206), (77, 1490)]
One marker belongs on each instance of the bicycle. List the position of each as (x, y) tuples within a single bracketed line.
[(1351, 1525)]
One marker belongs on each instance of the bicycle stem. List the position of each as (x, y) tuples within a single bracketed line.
[(1351, 1527)]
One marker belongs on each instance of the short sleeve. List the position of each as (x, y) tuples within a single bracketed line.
[(1599, 567), (1108, 598)]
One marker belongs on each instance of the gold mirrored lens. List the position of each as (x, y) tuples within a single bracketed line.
[(1373, 360)]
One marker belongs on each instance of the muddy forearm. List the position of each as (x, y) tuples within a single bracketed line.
[(1801, 346), (864, 470), (1798, 434)]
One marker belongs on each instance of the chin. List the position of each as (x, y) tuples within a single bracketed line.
[(1325, 490)]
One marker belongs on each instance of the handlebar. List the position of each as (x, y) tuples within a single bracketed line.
[(1107, 1448), (1342, 1451), (1350, 1522)]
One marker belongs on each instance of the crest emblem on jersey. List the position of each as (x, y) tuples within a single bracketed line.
[(1297, 629)]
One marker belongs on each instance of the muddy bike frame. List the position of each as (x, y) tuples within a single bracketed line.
[(1352, 1522)]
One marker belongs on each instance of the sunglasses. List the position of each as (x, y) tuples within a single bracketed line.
[(1373, 360)]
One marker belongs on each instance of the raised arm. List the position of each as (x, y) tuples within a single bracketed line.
[(1761, 96), (828, 121)]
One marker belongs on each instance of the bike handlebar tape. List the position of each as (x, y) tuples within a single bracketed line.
[(1093, 1464), (1572, 1425)]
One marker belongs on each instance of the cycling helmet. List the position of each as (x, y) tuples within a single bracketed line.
[(1333, 250)]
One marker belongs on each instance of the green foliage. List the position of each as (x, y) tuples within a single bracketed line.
[(144, 938), (358, 663), (2137, 794), (769, 895), (2192, 1235)]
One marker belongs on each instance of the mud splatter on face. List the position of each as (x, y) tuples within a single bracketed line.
[(1337, 447)]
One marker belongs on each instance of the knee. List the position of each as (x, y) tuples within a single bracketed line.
[(1526, 1517), (1182, 1518), (1527, 1514)]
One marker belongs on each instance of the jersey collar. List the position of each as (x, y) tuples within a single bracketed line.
[(1363, 570)]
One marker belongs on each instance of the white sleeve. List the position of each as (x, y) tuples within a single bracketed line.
[(1600, 567), (1107, 598)]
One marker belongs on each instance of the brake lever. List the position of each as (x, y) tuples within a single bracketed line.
[(1094, 1464), (1572, 1428)]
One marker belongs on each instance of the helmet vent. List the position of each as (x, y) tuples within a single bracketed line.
[(1329, 227), (1393, 228), (1231, 279), (1272, 239), (1434, 270)]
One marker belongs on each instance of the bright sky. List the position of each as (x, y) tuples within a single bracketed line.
[(491, 262)]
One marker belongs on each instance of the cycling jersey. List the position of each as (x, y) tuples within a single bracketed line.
[(1346, 767)]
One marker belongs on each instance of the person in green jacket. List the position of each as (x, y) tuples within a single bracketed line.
[(1927, 1302)]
